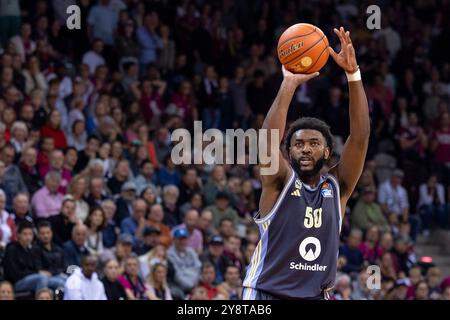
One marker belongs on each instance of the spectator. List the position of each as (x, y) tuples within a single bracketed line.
[(217, 182), (53, 129), (232, 284), (431, 204), (63, 223), (150, 239), (367, 212), (125, 201), (205, 225), (222, 209), (56, 163), (77, 189), (11, 181), (145, 178), (157, 283), (149, 195), (155, 219), (233, 252), (23, 44), (97, 192), (75, 248), (371, 248), (95, 223), (121, 175), (226, 228), (52, 255), (19, 133), (6, 291), (135, 224), (215, 256), (7, 225), (21, 208), (113, 288), (110, 231), (185, 260), (148, 39), (84, 284), (343, 288), (169, 202), (351, 252), (29, 171), (422, 291), (44, 294), (393, 200), (94, 57), (22, 262), (121, 251), (168, 174), (433, 279), (195, 238), (190, 184), (135, 287), (102, 22), (87, 154), (47, 201)]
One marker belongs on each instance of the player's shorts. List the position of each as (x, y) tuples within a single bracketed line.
[(255, 294)]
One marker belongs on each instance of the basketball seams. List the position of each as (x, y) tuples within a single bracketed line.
[(318, 58), (295, 37), (300, 54)]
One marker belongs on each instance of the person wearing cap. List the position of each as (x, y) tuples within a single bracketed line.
[(125, 202), (195, 239), (150, 239), (122, 250), (135, 224), (221, 209), (185, 261), (215, 256), (367, 212)]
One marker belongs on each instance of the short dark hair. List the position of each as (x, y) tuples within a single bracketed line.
[(225, 219), (66, 150), (309, 123), (93, 136), (24, 225), (44, 224)]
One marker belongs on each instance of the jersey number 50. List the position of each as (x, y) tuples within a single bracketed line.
[(313, 218)]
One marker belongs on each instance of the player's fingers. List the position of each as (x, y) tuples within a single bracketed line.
[(332, 53), (339, 34), (347, 37), (310, 76)]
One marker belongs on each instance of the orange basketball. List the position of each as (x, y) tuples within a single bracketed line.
[(303, 48)]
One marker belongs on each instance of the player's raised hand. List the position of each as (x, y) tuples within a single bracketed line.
[(297, 78), (346, 58)]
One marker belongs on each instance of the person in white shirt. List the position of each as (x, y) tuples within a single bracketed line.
[(431, 204), (93, 58), (84, 284), (393, 199)]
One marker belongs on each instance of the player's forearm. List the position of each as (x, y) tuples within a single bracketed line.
[(359, 112), (276, 117)]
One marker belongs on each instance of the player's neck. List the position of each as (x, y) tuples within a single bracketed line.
[(311, 181)]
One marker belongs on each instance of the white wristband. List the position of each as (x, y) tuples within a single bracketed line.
[(355, 76)]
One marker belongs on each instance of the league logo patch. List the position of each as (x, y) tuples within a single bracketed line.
[(326, 191)]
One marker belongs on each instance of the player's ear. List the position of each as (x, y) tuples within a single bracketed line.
[(327, 153)]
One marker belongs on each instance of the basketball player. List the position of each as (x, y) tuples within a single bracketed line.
[(300, 211)]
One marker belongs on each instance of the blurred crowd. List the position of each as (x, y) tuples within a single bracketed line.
[(91, 204)]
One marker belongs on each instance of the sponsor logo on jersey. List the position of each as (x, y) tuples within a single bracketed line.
[(309, 249), (326, 191)]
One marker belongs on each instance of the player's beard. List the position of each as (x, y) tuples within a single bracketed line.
[(318, 165)]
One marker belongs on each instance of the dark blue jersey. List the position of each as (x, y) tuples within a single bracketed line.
[(297, 254)]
